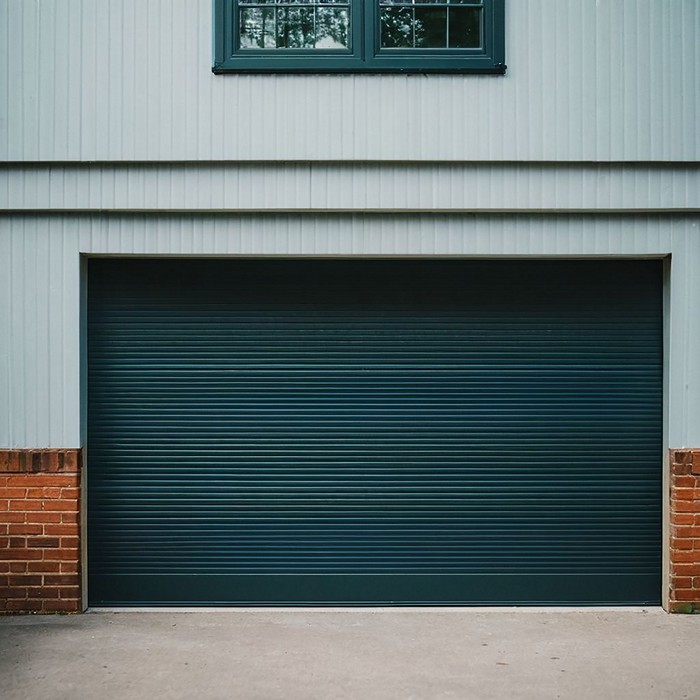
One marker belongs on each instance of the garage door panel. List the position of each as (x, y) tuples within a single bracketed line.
[(377, 431), (376, 589)]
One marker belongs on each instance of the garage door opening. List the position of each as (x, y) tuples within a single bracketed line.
[(341, 432)]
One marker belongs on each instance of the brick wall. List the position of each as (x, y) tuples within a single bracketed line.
[(685, 531), (40, 531)]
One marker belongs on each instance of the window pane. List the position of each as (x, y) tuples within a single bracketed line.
[(257, 28), (294, 24), (465, 26), (430, 24), (431, 27), (397, 27), (332, 28)]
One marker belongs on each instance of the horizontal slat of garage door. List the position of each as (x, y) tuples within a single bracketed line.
[(374, 432)]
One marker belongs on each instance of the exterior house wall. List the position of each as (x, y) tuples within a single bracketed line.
[(587, 80), (116, 139)]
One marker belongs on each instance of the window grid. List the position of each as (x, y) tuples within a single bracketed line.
[(286, 24), (471, 31), (448, 42)]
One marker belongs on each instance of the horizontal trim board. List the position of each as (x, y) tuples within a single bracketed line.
[(335, 188), (243, 210), (347, 162)]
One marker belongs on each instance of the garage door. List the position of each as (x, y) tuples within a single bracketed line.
[(374, 432)]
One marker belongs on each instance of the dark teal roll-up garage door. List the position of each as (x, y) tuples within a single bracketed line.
[(374, 432)]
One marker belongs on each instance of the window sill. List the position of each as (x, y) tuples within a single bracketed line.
[(394, 65)]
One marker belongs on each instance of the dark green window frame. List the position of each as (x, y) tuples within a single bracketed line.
[(364, 54)]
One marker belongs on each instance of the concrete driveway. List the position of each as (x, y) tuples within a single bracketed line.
[(367, 653)]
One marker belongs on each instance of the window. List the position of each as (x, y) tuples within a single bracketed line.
[(365, 36)]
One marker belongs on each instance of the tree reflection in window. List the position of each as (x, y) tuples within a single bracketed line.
[(444, 24), (285, 24)]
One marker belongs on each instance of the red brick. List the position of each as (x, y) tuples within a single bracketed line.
[(60, 554), (67, 606), (24, 580), (681, 456), (25, 605), (74, 580), (18, 567), (681, 582), (4, 567), (44, 492), (36, 480), (4, 543), (71, 518), (681, 543), (68, 592), (72, 493), (57, 504), (13, 464), (71, 461), (13, 592), (50, 542), (684, 594), (44, 517), (18, 542), (678, 482), (680, 469), (70, 542), (678, 556), (70, 567), (22, 554), (44, 567), (688, 531), (43, 592), (683, 569), (26, 529), (61, 529), (26, 505), (22, 480), (696, 462), (14, 517), (4, 505), (685, 506), (686, 494), (13, 493)]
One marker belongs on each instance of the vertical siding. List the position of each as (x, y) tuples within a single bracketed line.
[(592, 80), (40, 300), (6, 427), (684, 348), (39, 312)]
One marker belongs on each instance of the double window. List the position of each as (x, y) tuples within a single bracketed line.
[(334, 36)]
